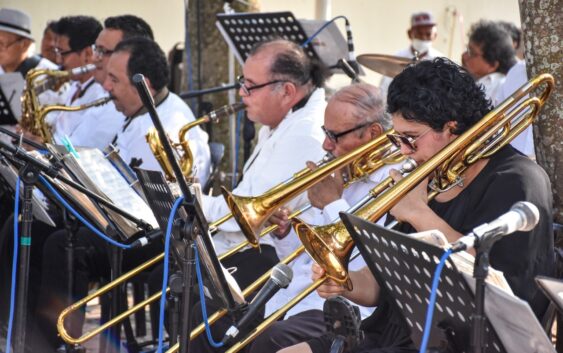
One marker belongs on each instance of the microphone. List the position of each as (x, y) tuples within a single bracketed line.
[(345, 66), (281, 276), (147, 239), (143, 89), (82, 70), (523, 216), (351, 55)]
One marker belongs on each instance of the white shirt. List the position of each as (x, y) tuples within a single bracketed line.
[(302, 265), (406, 53), (92, 127), (174, 114), (491, 84), (515, 78), (278, 154)]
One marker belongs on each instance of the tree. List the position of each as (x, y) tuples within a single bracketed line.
[(543, 33)]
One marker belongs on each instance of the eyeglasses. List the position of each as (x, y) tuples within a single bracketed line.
[(101, 51), (6, 46), (59, 52), (334, 136), (241, 81), (471, 53), (398, 140)]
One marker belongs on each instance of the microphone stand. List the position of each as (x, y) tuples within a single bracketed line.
[(193, 94), (483, 246), (193, 227)]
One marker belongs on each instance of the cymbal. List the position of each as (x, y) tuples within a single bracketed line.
[(384, 64)]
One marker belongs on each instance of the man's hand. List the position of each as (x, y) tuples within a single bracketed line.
[(410, 206), (327, 190), (280, 218)]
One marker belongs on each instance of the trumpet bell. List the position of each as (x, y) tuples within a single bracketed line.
[(248, 214), (330, 246)]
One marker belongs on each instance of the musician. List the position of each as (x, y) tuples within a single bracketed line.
[(354, 116), (431, 104), (73, 48), (116, 29), (134, 55), (281, 88)]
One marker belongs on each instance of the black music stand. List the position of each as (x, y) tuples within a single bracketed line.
[(11, 86), (405, 267)]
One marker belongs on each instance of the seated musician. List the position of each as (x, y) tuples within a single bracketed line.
[(135, 55), (281, 88), (354, 116), (431, 104)]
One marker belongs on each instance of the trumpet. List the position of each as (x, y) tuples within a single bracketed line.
[(330, 245), (187, 159)]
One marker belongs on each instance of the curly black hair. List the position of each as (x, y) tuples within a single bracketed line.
[(514, 32), (495, 42), (131, 26), (81, 31), (436, 92), (146, 58), (292, 63)]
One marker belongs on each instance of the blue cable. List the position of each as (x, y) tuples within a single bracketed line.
[(431, 304), (79, 217), (305, 43), (165, 271), (202, 302), (14, 267)]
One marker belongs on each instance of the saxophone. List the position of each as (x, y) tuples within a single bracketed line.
[(36, 82)]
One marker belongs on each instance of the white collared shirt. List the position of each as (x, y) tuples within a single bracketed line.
[(302, 265), (278, 154), (491, 84), (174, 113)]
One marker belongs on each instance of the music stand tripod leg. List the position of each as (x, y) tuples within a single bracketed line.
[(480, 272), (29, 175)]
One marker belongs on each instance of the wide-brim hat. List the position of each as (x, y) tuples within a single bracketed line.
[(16, 22)]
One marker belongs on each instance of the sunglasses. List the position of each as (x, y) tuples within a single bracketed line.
[(399, 140), (334, 136)]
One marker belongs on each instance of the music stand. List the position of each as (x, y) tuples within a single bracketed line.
[(405, 267), (11, 86)]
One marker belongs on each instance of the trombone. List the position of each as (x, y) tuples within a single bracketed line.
[(363, 161), (494, 131)]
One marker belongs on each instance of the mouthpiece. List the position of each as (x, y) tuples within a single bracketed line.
[(225, 111), (82, 70)]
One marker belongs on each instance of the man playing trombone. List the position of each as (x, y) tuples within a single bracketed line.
[(432, 103)]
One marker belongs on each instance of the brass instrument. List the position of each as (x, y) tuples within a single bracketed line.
[(39, 80), (187, 159), (365, 161), (252, 212), (330, 245)]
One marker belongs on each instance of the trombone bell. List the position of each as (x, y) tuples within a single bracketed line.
[(249, 218)]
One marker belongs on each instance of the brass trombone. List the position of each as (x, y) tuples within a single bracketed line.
[(363, 161), (187, 159), (494, 131)]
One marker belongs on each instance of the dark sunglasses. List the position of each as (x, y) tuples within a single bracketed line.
[(334, 136)]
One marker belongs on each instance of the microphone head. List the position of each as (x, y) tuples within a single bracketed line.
[(282, 275), (530, 215), (138, 78)]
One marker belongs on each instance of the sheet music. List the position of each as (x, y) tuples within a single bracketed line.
[(113, 185)]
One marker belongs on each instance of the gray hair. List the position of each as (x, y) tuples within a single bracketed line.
[(368, 103)]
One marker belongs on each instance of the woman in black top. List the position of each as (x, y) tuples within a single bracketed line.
[(432, 103)]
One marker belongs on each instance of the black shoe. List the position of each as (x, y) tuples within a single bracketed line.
[(342, 320)]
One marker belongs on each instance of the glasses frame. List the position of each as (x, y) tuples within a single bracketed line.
[(399, 139), (334, 136), (471, 53), (100, 51), (241, 81)]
